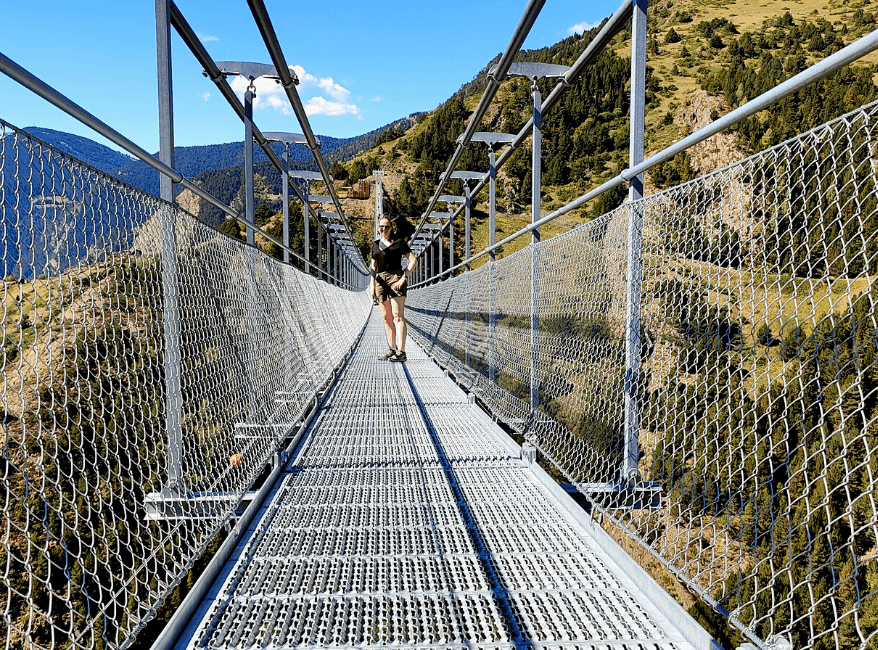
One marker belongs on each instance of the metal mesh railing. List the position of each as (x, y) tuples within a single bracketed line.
[(757, 384), (141, 351)]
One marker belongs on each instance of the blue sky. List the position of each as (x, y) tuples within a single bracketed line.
[(362, 64)]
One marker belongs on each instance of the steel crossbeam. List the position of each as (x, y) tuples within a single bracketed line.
[(405, 517)]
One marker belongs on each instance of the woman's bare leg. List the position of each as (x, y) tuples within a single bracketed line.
[(387, 315), (398, 306)]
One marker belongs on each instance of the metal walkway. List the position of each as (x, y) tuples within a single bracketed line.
[(407, 518)]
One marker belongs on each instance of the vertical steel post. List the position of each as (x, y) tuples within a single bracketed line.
[(329, 260), (441, 252), (492, 234), (166, 94), (328, 265), (174, 485), (328, 257), (466, 224), (379, 204), (634, 274), (248, 161), (451, 240), (319, 236), (535, 253), (306, 223), (286, 184), (466, 254), (249, 210)]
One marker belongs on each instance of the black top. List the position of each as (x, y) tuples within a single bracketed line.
[(389, 259)]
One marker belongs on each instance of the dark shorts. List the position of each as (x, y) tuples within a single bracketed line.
[(383, 282)]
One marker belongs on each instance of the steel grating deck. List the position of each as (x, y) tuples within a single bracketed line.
[(406, 519)]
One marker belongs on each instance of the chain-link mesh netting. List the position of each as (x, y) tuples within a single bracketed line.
[(757, 380), (141, 351)]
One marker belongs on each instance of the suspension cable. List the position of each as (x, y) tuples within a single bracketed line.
[(494, 80), (612, 27), (827, 66), (190, 38)]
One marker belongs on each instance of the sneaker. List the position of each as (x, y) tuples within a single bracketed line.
[(390, 354), (399, 356)]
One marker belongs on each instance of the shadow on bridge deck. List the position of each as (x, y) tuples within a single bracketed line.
[(407, 518)]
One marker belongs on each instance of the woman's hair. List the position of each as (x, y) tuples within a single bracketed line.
[(391, 236)]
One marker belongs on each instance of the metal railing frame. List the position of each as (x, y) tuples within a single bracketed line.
[(18, 74), (494, 81), (856, 50), (269, 37), (190, 38), (633, 176), (615, 24)]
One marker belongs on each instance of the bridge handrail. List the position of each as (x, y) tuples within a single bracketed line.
[(98, 535), (521, 31), (755, 377), (190, 38), (263, 22)]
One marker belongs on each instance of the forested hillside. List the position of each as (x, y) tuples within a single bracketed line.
[(700, 55), (704, 60)]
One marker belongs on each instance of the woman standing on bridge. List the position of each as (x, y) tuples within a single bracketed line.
[(388, 285)]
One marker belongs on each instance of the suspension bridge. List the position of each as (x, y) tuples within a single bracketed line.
[(197, 457)]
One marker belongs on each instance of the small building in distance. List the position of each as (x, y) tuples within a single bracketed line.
[(359, 190)]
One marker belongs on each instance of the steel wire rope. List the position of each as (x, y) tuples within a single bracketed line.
[(39, 87), (494, 80), (190, 38), (823, 68), (612, 27), (790, 250), (269, 37)]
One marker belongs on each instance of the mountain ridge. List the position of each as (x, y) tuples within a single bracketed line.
[(191, 161)]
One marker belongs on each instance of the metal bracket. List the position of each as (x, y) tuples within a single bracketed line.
[(624, 495), (198, 505), (774, 642), (529, 453), (535, 71)]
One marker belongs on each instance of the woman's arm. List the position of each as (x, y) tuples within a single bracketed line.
[(372, 278), (413, 262)]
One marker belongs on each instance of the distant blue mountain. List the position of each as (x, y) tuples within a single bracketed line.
[(192, 161)]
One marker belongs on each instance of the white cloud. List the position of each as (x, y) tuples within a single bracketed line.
[(321, 96), (579, 28), (204, 38), (321, 106), (305, 79), (205, 96), (376, 98), (337, 92)]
